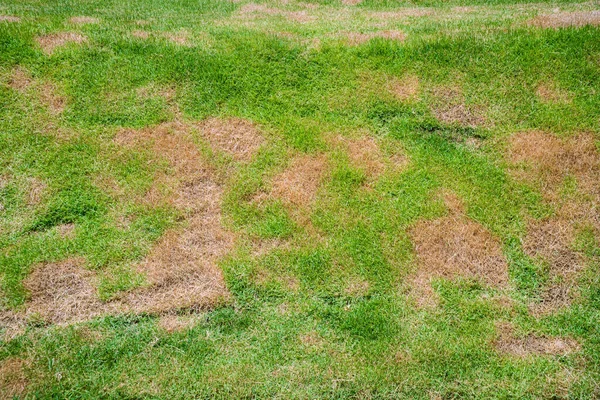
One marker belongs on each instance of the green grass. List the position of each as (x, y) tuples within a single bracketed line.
[(292, 328)]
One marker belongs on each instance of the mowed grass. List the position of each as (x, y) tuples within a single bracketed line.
[(323, 301)]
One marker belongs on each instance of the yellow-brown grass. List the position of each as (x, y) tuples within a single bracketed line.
[(236, 137), (140, 34), (455, 246), (404, 89), (545, 161), (36, 191), (507, 343), (9, 18), (13, 382), (298, 185), (252, 10), (81, 20), (449, 107), (19, 79), (358, 38), (176, 323), (566, 19), (49, 43), (549, 92)]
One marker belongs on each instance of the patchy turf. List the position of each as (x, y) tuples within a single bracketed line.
[(286, 199)]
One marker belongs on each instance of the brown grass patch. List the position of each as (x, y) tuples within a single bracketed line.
[(9, 18), (404, 89), (237, 137), (351, 2), (546, 161), (13, 382), (177, 323), (66, 231), (507, 343), (456, 246), (401, 14), (252, 9), (358, 38), (549, 92), (298, 185), (83, 20), (51, 42), (140, 34), (36, 191), (566, 19), (449, 107), (49, 97), (19, 79), (181, 38), (62, 292)]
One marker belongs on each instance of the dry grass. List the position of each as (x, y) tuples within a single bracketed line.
[(36, 191), (66, 231), (62, 292), (83, 20), (298, 185), (172, 323), (449, 107), (566, 19), (49, 97), (546, 160), (237, 137), (253, 10), (456, 246), (358, 38), (13, 382), (351, 2), (49, 43), (404, 89), (140, 34), (507, 343), (9, 18), (19, 79), (181, 38), (549, 92)]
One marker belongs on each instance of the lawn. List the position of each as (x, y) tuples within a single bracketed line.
[(373, 199)]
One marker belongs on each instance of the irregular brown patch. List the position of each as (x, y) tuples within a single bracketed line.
[(298, 185), (176, 323), (181, 268), (351, 2), (66, 231), (83, 20), (62, 292), (365, 153), (237, 137), (13, 382), (546, 161), (252, 9), (456, 246), (35, 192), (9, 18), (19, 79), (357, 287), (358, 38), (401, 14), (49, 97), (507, 343), (51, 42), (140, 34), (404, 89), (181, 38), (566, 19), (548, 92), (449, 107)]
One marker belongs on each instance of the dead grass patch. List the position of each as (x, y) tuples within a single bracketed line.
[(546, 161), (13, 382), (9, 18), (81, 20), (49, 43), (181, 38), (298, 185), (49, 97), (404, 89), (140, 34), (449, 107), (36, 191), (253, 9), (177, 323), (237, 137), (62, 292), (358, 38), (456, 246), (567, 19), (522, 347), (549, 92), (19, 79), (351, 2), (66, 231), (400, 14)]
